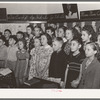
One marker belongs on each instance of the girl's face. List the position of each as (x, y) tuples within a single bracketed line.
[(49, 32), (89, 51), (44, 40), (85, 36), (37, 42), (6, 34), (20, 45), (75, 46), (29, 30), (61, 33), (69, 35), (98, 39), (11, 41), (36, 31)]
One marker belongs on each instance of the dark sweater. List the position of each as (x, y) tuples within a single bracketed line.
[(58, 65)]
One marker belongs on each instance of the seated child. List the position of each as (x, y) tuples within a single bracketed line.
[(11, 53), (3, 52), (58, 61)]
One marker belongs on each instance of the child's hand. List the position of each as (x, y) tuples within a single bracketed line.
[(74, 83), (62, 84)]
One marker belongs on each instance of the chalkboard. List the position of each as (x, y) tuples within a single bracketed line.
[(3, 14), (35, 17), (90, 15), (27, 17)]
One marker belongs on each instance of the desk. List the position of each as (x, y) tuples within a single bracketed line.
[(41, 84), (7, 81)]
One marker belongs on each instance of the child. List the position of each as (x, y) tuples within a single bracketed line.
[(69, 34), (37, 31), (51, 32), (74, 62), (45, 55), (20, 35), (22, 62), (3, 52), (88, 35), (90, 72), (11, 53), (61, 33), (58, 61), (34, 59), (7, 34)]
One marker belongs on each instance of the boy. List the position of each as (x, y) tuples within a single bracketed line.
[(3, 52), (20, 35), (58, 61), (50, 31), (7, 34), (11, 52)]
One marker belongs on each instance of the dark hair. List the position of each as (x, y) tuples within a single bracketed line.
[(7, 30), (79, 40), (24, 43), (13, 37), (30, 26), (90, 31), (3, 38), (59, 39), (50, 28), (1, 33), (20, 32), (37, 37), (63, 27), (49, 39), (75, 33)]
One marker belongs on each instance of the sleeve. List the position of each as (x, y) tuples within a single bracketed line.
[(96, 82), (27, 55)]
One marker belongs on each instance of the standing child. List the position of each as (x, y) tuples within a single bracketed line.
[(58, 61), (3, 52), (11, 53), (35, 52), (22, 62), (45, 56), (74, 62), (90, 72)]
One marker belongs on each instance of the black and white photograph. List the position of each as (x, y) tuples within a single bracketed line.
[(53, 46)]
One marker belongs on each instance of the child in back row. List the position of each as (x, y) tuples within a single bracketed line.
[(3, 52)]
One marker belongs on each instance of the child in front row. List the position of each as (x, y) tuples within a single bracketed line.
[(33, 72), (90, 71), (22, 63), (74, 62), (58, 62), (11, 53)]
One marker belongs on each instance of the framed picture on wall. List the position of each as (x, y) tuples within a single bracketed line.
[(70, 11)]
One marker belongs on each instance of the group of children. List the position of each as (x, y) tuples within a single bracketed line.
[(68, 56)]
